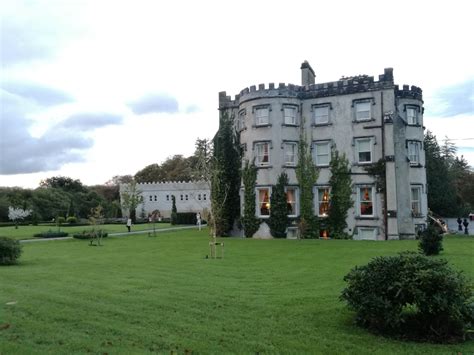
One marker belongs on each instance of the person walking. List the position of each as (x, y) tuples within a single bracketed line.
[(129, 224)]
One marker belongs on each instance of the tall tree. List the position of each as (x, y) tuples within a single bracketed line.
[(307, 175), (249, 178), (150, 173), (278, 221), (340, 197), (131, 198), (225, 181)]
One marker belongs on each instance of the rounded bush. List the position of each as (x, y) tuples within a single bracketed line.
[(71, 220), (88, 234), (431, 241), (50, 234), (10, 251), (412, 297)]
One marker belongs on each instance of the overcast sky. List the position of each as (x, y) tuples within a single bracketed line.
[(94, 89)]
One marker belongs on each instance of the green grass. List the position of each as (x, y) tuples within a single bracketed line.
[(143, 294), (27, 232)]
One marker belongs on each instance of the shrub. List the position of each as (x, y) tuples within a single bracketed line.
[(186, 218), (431, 241), (71, 220), (410, 296), (51, 234), (89, 234), (10, 251)]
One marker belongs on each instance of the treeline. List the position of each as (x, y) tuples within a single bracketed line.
[(450, 179), (66, 197)]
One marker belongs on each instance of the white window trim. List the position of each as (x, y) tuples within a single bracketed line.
[(259, 118), (257, 156), (417, 146), (295, 155), (297, 199), (257, 202), (315, 116), (295, 116), (356, 111), (315, 152), (420, 213), (356, 150), (318, 202), (359, 201), (416, 116)]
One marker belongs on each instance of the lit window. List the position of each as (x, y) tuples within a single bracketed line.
[(261, 116), (362, 111), (416, 201), (364, 233), (290, 115), (414, 152), (263, 154), (322, 153), (365, 201), (323, 197), (263, 205), (291, 151), (291, 201), (412, 115), (363, 150), (321, 115)]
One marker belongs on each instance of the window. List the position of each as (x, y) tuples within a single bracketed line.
[(362, 111), (204, 197), (323, 198), (365, 201), (263, 154), (151, 198), (291, 201), (289, 115), (186, 197), (263, 205), (416, 201), (291, 152), (167, 197), (321, 115), (181, 197), (363, 150), (322, 153), (199, 197), (414, 152), (261, 116), (366, 233), (412, 115), (156, 198)]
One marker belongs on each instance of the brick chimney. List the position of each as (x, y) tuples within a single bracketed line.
[(307, 74)]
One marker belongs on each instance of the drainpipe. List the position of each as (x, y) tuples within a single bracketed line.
[(385, 221)]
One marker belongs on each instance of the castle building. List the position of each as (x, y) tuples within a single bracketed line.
[(191, 196), (366, 119)]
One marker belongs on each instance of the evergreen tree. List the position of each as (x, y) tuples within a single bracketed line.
[(249, 221), (340, 196), (307, 175), (225, 180), (174, 211), (278, 221)]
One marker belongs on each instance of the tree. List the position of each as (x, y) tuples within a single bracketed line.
[(278, 221), (249, 221), (131, 198), (151, 173), (225, 179), (65, 183), (96, 218), (307, 175), (174, 211), (340, 197), (16, 214)]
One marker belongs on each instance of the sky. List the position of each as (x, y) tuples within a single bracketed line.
[(99, 88)]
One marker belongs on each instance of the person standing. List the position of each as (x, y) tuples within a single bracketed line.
[(465, 224), (198, 220), (129, 224), (459, 220)]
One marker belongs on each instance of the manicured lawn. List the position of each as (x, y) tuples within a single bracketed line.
[(27, 232), (143, 294)]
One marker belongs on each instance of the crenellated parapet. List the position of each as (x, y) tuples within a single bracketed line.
[(344, 86), (407, 92)]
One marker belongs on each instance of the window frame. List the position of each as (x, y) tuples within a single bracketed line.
[(357, 151), (259, 203), (321, 143), (417, 119), (294, 144), (295, 202), (262, 163), (316, 109), (259, 108), (418, 202), (359, 201), (295, 110), (417, 146), (319, 202), (355, 104)]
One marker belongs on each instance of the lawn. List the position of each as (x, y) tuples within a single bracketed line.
[(143, 294), (27, 232)]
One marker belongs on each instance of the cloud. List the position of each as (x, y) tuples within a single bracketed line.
[(90, 121), (453, 100), (155, 103), (21, 153), (42, 95)]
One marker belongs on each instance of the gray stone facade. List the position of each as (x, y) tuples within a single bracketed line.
[(364, 118), (190, 197)]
